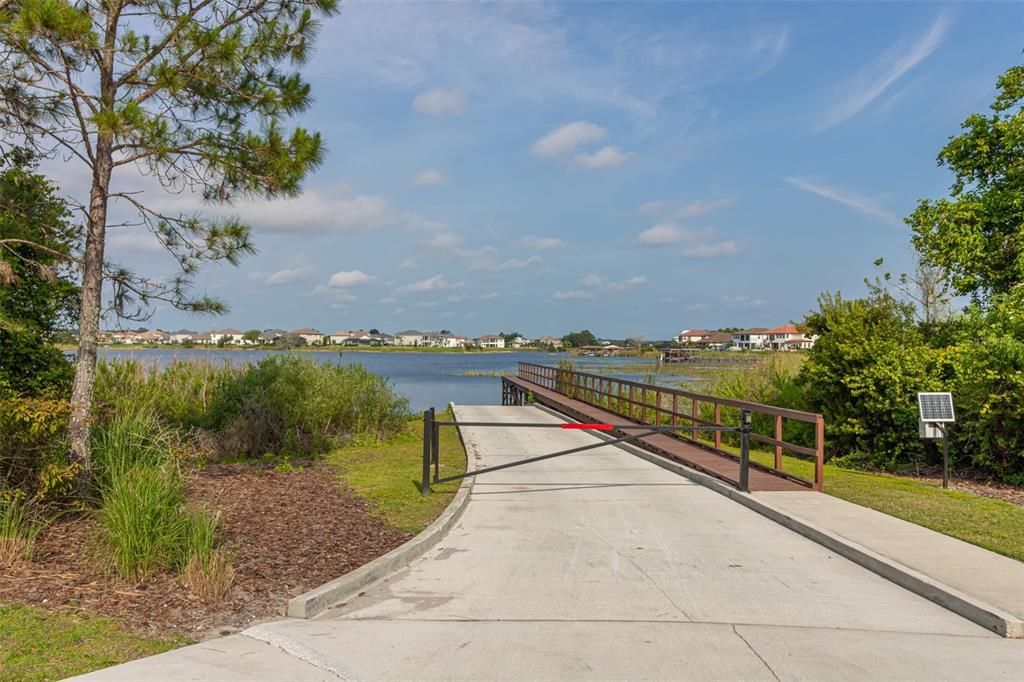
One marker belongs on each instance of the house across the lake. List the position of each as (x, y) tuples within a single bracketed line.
[(490, 341)]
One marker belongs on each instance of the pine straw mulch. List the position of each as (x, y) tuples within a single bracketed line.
[(287, 533)]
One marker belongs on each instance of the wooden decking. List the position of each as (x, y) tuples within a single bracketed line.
[(702, 458)]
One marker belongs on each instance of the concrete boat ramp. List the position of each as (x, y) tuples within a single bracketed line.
[(602, 565)]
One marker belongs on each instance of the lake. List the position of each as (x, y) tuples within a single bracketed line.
[(426, 379)]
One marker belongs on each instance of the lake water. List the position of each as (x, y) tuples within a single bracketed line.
[(426, 379)]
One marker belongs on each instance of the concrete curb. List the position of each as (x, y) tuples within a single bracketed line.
[(975, 610), (319, 599)]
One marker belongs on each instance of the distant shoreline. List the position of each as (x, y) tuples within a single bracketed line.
[(309, 349)]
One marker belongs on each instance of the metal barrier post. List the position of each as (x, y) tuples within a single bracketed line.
[(745, 428), (428, 426), (435, 444)]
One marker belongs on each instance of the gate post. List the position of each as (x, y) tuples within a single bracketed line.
[(435, 444), (745, 428), (428, 426)]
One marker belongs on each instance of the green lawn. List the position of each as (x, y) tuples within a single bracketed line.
[(992, 524), (388, 475), (43, 645)]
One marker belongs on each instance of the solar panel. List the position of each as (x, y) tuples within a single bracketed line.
[(936, 407)]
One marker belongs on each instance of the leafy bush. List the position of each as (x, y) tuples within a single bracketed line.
[(293, 406), (988, 363), (32, 444), (864, 373)]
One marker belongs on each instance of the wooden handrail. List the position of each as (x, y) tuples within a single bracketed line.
[(591, 388)]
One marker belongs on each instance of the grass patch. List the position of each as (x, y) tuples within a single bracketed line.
[(388, 474), (41, 645), (996, 525)]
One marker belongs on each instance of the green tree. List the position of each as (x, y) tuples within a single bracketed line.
[(252, 336), (977, 235), (193, 94), (579, 339), (36, 291)]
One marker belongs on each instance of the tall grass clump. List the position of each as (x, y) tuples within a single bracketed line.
[(773, 381), (20, 524), (292, 406), (142, 521), (180, 393), (129, 440), (207, 571)]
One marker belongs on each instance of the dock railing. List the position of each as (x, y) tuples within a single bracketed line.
[(651, 404)]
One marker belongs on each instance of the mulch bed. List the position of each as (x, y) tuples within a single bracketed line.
[(286, 531)]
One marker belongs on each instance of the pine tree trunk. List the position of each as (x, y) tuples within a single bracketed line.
[(92, 267), (89, 317)]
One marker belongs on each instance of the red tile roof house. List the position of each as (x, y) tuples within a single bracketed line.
[(789, 337)]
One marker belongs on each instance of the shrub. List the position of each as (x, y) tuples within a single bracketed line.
[(988, 363), (32, 441), (293, 406), (20, 523), (209, 576), (864, 373)]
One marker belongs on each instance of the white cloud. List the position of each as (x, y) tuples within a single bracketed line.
[(535, 243), (670, 210), (301, 272), (539, 58), (567, 138), (573, 295), (854, 95), (410, 263), (388, 300), (601, 283), (431, 284), (439, 102), (697, 306), (314, 211), (445, 241), (742, 301), (346, 279), (336, 295), (489, 296), (429, 176), (510, 264), (716, 250), (133, 241), (457, 298), (607, 157), (662, 234), (846, 198)]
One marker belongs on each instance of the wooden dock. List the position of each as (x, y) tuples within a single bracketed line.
[(706, 459)]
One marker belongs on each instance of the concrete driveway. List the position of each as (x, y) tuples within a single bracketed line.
[(601, 565)]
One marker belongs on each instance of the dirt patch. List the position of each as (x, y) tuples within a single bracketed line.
[(286, 531)]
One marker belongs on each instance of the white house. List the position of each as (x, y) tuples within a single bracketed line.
[(451, 341), (312, 337), (550, 341), (218, 334), (755, 338), (789, 337), (690, 336), (490, 341), (182, 335), (409, 337)]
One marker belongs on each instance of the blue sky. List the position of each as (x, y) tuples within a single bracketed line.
[(628, 168)]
